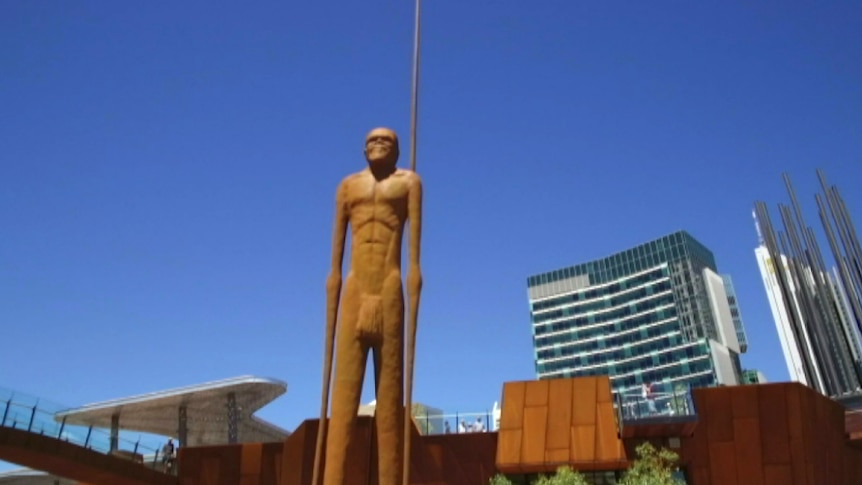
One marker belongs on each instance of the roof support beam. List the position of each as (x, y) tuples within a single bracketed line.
[(182, 426), (232, 430), (115, 432)]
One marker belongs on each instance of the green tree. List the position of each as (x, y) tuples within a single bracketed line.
[(424, 419), (564, 476), (499, 479), (652, 467)]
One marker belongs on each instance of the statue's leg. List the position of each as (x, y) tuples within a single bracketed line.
[(350, 356), (390, 395)]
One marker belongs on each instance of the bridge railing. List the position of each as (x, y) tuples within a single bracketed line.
[(455, 423), (663, 400), (38, 416)]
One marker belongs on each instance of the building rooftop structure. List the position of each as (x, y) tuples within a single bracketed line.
[(212, 413)]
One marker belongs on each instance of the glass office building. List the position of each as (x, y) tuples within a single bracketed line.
[(753, 376), (657, 313), (735, 313)]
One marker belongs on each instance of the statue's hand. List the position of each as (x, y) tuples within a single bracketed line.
[(333, 282), (414, 279)]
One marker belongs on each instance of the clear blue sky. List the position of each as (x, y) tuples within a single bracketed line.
[(168, 171)]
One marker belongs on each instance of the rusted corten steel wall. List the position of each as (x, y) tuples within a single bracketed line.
[(548, 423), (770, 434), (456, 459)]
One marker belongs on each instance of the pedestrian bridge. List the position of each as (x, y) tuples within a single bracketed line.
[(91, 444), (31, 435), (666, 411)]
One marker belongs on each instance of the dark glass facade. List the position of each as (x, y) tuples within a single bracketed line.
[(752, 376), (735, 313)]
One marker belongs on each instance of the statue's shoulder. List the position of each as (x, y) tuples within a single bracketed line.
[(408, 176), (354, 177), (347, 184)]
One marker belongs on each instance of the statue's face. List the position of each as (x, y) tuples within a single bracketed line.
[(381, 147)]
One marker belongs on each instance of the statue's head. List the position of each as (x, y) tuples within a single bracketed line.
[(381, 148)]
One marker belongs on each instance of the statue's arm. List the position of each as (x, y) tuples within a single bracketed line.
[(414, 271), (333, 281), (333, 286)]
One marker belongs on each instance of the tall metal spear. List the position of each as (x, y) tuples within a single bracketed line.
[(410, 348), (414, 105)]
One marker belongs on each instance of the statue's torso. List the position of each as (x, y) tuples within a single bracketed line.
[(377, 212)]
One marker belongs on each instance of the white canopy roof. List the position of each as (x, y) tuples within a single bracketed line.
[(206, 411), (27, 476)]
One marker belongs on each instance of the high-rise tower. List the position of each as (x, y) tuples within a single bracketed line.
[(655, 313)]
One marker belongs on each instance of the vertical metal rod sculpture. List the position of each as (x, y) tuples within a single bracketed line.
[(819, 325), (853, 277), (845, 216), (410, 347), (780, 267), (817, 309)]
